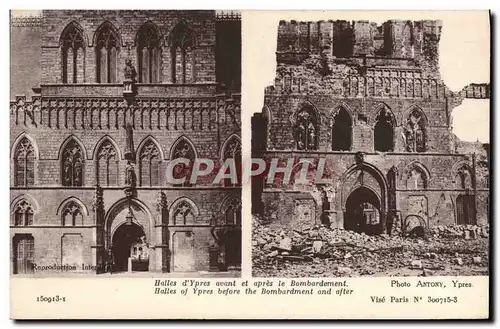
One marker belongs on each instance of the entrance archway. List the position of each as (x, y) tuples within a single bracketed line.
[(129, 224), (363, 212), (129, 241)]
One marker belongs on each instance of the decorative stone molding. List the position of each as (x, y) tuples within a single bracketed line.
[(115, 113)]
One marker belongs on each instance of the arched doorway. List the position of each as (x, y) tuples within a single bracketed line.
[(129, 241), (363, 212), (129, 232)]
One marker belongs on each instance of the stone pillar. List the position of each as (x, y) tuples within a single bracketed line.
[(98, 210), (162, 209)]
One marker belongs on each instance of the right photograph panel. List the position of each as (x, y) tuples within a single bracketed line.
[(367, 173)]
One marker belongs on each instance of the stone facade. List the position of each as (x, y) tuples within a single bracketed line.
[(116, 95), (368, 100)]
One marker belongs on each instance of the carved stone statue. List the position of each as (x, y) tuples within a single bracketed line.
[(359, 157), (129, 70), (130, 175), (312, 136)]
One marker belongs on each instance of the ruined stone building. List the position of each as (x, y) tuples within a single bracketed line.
[(102, 100), (369, 100)]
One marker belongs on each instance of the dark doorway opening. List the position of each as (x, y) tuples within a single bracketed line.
[(466, 210), (363, 212), (233, 249), (130, 241), (384, 132), (342, 131)]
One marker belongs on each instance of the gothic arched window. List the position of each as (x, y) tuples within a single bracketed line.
[(73, 51), (306, 129), (463, 178), (233, 213), (72, 215), (384, 131), (183, 213), (24, 163), (107, 165), (149, 54), (182, 54), (232, 150), (107, 46), (342, 131), (183, 149), (149, 165), (417, 179), (72, 165), (414, 132), (23, 214)]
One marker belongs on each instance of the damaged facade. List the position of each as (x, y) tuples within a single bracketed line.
[(110, 97), (369, 99)]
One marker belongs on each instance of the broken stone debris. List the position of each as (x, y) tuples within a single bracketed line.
[(345, 253)]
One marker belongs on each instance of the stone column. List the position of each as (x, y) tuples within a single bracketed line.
[(163, 245), (99, 247)]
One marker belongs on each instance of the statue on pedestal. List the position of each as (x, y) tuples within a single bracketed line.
[(129, 71), (129, 80), (130, 175)]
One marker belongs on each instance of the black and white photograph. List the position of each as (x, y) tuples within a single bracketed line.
[(101, 102), (376, 181), (239, 163)]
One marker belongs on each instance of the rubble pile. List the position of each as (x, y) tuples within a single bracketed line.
[(321, 251), (460, 231)]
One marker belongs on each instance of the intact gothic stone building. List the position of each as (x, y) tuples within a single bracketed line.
[(369, 100), (102, 100)]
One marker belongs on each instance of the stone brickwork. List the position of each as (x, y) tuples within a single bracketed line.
[(204, 113), (348, 76)]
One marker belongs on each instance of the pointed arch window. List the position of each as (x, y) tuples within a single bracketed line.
[(417, 179), (342, 131), (71, 214), (384, 131), (107, 47), (183, 57), (23, 214), (149, 165), (183, 149), (107, 165), (463, 178), (232, 150), (24, 163), (149, 54), (306, 129), (72, 164), (73, 54), (183, 213), (414, 132), (233, 213)]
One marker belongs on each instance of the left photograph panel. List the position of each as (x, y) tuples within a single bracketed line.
[(125, 143)]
